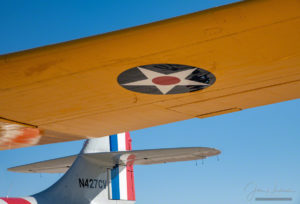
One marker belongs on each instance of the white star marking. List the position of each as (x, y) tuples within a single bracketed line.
[(165, 88)]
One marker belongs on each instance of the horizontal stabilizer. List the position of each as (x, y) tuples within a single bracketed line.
[(111, 159), (60, 165)]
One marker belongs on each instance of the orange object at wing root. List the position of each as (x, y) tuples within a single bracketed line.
[(28, 136), (14, 134)]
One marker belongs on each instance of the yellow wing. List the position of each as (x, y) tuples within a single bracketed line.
[(70, 91)]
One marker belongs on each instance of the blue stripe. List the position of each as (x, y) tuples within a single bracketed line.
[(115, 183), (113, 140)]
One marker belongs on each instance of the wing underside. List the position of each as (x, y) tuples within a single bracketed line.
[(70, 91)]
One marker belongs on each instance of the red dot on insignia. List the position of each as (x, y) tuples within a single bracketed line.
[(166, 80)]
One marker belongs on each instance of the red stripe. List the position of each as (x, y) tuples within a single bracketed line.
[(129, 169), (130, 183), (128, 141), (15, 201)]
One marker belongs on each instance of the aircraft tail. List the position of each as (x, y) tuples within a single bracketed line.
[(89, 182), (102, 173)]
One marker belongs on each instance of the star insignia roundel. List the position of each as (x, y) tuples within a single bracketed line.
[(162, 79)]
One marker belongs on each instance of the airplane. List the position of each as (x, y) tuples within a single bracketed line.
[(200, 65), (102, 172)]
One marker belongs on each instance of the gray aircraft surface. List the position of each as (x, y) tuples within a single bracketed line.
[(102, 173)]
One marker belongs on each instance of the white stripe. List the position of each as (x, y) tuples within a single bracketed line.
[(123, 182), (2, 202), (121, 142), (109, 184)]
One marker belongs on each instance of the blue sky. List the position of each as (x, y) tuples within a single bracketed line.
[(260, 146)]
